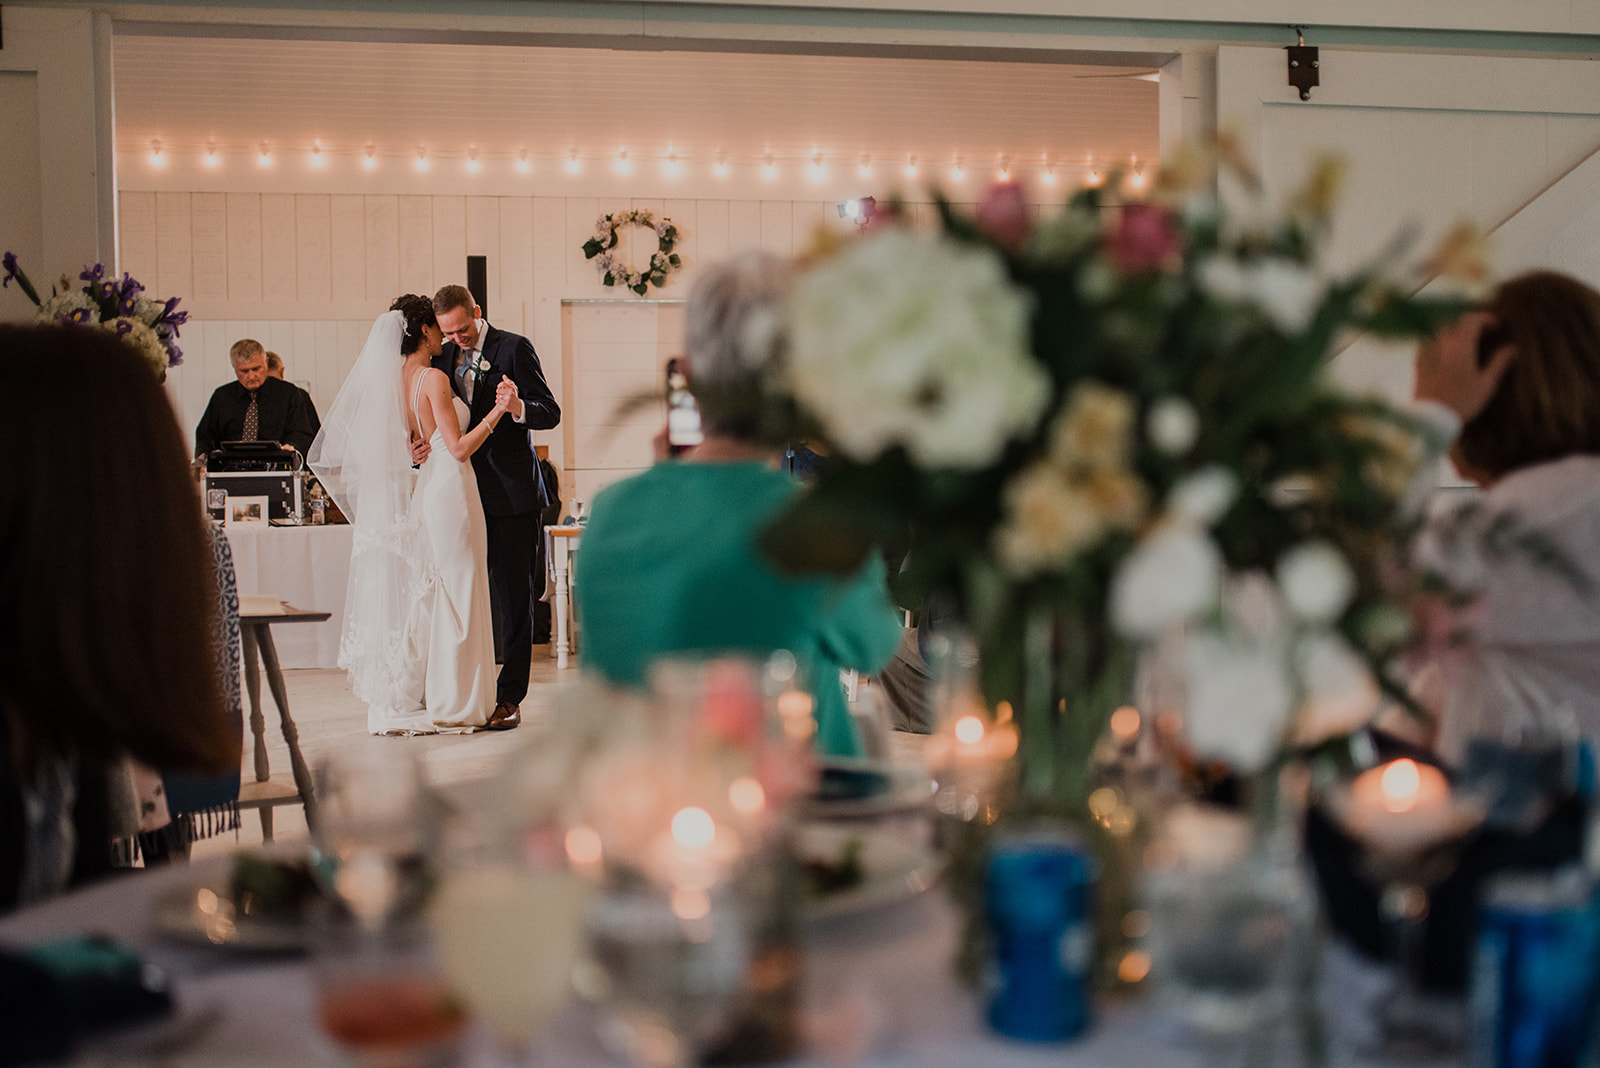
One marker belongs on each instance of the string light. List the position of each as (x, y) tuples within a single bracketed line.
[(624, 165), (573, 164), (370, 161), (770, 171), (524, 165), (818, 171), (911, 167), (317, 159), (865, 170), (1136, 179), (958, 172), (672, 168), (210, 159), (156, 158), (1094, 179), (265, 159), (473, 166), (720, 168), (1049, 176), (422, 158)]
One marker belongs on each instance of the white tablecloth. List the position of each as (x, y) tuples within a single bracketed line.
[(883, 976), (307, 566)]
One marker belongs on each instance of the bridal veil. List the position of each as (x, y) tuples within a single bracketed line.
[(363, 459)]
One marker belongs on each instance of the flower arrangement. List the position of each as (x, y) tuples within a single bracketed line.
[(150, 326), (1112, 426), (613, 272)]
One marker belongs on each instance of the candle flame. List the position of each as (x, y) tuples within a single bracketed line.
[(693, 827), (969, 730), (1400, 782), (583, 846), (746, 796)]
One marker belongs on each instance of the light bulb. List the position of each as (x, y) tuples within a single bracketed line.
[(317, 158), (473, 166), (422, 158), (672, 168), (1049, 176), (573, 164), (911, 167), (156, 158), (770, 170), (957, 173), (265, 158), (211, 159), (370, 161), (720, 168), (624, 165), (524, 165)]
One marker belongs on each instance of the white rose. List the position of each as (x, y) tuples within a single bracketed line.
[(1340, 693), (1168, 579), (1206, 495), (1284, 291), (1239, 698), (1172, 425), (915, 340), (1316, 581)]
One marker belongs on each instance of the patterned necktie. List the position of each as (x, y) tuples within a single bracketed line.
[(252, 418)]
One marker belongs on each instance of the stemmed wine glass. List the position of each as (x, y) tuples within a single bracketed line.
[(1412, 826), (379, 994)]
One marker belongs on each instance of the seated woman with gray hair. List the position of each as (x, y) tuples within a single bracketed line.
[(671, 561)]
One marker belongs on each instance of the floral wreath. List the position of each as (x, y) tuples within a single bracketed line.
[(613, 272)]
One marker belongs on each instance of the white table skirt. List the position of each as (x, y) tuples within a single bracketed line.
[(307, 566), (877, 986)]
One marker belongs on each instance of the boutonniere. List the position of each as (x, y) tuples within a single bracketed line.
[(480, 367)]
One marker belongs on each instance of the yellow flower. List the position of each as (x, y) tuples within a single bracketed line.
[(1096, 430), (1117, 496), (1048, 519), (1462, 257), (1317, 197)]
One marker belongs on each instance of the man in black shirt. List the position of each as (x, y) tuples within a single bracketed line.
[(275, 370), (257, 407)]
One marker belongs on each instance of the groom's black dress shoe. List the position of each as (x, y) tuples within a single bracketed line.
[(507, 716)]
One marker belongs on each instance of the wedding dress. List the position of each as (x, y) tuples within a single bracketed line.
[(417, 642)]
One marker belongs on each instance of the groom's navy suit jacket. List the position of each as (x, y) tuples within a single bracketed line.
[(508, 477)]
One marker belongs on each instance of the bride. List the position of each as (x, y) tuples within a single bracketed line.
[(417, 640)]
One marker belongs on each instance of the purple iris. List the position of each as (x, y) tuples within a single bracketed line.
[(171, 315), (126, 307), (93, 274), (124, 327), (130, 287), (174, 354), (9, 262), (76, 317)]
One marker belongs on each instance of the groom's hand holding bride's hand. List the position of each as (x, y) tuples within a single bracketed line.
[(419, 451), (505, 395)]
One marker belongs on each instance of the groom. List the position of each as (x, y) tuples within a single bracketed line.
[(508, 478)]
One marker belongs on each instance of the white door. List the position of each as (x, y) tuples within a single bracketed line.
[(1512, 145)]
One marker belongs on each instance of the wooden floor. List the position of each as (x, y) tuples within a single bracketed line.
[(331, 719)]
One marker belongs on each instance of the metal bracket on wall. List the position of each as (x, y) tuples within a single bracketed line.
[(1304, 67)]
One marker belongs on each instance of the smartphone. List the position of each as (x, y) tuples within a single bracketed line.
[(683, 413)]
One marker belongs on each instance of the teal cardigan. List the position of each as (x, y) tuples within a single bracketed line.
[(669, 563)]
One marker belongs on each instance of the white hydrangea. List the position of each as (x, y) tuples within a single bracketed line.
[(916, 340), (53, 308), (1239, 698), (1173, 426), (1205, 495), (1168, 579), (1316, 581), (1340, 693), (1284, 291)]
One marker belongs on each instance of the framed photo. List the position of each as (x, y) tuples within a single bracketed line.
[(246, 511)]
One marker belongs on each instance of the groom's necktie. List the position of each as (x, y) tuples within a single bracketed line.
[(468, 357), (252, 418)]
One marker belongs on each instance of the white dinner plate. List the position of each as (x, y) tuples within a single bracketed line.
[(897, 859)]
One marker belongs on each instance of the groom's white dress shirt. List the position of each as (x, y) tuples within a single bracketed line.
[(464, 361)]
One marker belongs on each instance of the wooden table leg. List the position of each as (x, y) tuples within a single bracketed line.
[(252, 685), (291, 733), (558, 560)]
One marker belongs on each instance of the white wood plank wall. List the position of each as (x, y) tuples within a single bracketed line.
[(306, 273)]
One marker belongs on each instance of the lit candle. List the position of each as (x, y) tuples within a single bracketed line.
[(1403, 807)]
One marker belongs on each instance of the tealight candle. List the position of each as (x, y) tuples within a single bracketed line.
[(1403, 807)]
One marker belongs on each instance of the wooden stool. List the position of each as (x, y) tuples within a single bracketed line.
[(255, 626)]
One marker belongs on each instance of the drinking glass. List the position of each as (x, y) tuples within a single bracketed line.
[(380, 997), (508, 934)]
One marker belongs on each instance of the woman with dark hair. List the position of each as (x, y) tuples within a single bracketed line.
[(418, 640), (106, 600), (1518, 385)]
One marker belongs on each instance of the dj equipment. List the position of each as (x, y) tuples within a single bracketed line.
[(254, 469)]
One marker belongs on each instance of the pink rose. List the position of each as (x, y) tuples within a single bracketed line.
[(733, 711), (1004, 215), (1146, 238)]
